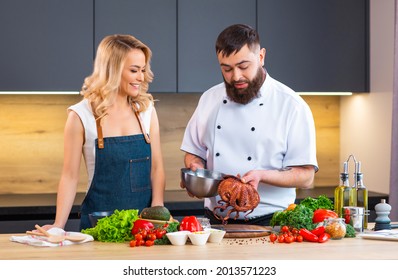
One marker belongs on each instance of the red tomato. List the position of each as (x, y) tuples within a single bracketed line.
[(289, 239), (138, 236), (273, 237), (299, 238), (160, 233), (347, 215), (133, 243), (140, 242), (151, 236), (144, 233), (149, 243), (140, 225), (281, 239), (285, 229)]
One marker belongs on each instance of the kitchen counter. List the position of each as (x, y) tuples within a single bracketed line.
[(19, 212), (229, 249)]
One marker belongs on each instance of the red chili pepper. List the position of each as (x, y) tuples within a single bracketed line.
[(190, 223), (321, 214), (318, 231), (323, 237), (141, 225), (308, 235)]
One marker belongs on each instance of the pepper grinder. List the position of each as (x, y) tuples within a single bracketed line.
[(382, 220)]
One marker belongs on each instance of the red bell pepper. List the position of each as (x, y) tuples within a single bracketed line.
[(190, 223), (141, 225), (321, 214)]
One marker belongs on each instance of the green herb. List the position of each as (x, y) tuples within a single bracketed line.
[(301, 216), (322, 202), (350, 231), (310, 203), (114, 228), (278, 218), (171, 227)]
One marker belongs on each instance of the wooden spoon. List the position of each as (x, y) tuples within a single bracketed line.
[(57, 238)]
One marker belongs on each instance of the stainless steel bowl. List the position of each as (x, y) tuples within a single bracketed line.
[(202, 182), (95, 216)]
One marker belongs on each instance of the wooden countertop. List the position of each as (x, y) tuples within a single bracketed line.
[(230, 249), (29, 206)]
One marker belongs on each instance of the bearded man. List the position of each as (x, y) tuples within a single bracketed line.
[(253, 127)]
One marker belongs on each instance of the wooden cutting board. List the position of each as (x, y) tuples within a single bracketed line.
[(244, 231)]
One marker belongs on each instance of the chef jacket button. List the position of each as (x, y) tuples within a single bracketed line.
[(253, 128), (261, 104), (225, 101), (219, 126), (217, 154), (249, 158)]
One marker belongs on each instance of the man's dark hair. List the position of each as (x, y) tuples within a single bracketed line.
[(236, 36)]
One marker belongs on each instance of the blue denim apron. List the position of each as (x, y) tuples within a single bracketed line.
[(122, 176)]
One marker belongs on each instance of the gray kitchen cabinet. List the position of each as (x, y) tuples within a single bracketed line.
[(199, 23), (311, 45), (316, 45), (154, 22), (46, 45)]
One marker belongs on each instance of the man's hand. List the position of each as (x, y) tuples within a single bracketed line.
[(192, 162), (252, 177)]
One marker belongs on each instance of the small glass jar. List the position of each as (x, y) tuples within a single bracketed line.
[(335, 227), (205, 222)]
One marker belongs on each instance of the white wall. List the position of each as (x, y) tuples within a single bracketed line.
[(366, 118)]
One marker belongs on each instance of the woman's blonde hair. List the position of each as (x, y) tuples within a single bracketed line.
[(102, 86)]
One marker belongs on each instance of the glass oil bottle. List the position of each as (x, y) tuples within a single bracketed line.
[(362, 193), (341, 192)]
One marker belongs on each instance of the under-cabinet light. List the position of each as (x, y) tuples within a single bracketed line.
[(39, 92), (76, 92), (325, 93)]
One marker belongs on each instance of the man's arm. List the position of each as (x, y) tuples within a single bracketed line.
[(295, 176)]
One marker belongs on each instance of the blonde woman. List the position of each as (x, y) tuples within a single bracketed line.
[(116, 129)]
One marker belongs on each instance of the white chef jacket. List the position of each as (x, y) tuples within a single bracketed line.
[(273, 131)]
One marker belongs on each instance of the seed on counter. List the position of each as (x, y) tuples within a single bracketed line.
[(249, 241)]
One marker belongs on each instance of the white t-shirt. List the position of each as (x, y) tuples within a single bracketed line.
[(83, 110), (273, 131)]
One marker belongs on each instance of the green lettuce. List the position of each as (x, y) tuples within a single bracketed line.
[(114, 228)]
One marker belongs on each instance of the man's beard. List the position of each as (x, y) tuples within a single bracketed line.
[(244, 96)]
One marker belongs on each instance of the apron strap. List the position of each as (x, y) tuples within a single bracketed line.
[(146, 136), (99, 128), (99, 133)]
